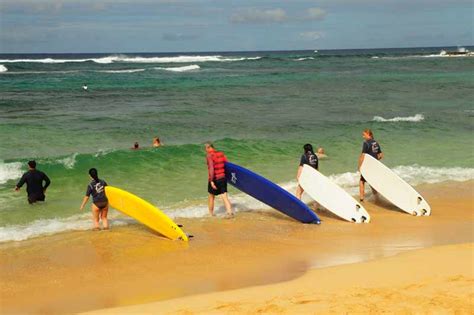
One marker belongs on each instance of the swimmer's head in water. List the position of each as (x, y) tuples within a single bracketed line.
[(321, 150), (136, 145), (308, 148), (367, 134), (93, 173), (32, 164)]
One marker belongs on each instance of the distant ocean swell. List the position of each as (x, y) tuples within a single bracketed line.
[(413, 174), (127, 59)]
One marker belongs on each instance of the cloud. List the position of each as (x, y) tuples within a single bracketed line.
[(317, 14), (259, 16), (311, 35), (178, 37)]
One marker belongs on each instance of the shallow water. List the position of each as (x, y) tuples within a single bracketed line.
[(259, 107)]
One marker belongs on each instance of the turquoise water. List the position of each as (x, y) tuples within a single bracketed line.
[(259, 107)]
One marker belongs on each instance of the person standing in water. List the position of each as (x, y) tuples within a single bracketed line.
[(372, 148), (34, 183), (217, 183), (308, 158), (100, 203)]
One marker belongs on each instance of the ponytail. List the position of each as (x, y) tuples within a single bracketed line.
[(93, 174)]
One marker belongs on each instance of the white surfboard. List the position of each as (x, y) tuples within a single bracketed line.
[(331, 196), (393, 188)]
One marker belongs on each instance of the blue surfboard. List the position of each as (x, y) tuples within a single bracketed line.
[(269, 193)]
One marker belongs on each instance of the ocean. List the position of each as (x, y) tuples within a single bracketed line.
[(260, 108)]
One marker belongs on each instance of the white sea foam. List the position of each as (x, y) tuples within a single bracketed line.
[(69, 161), (9, 171), (3, 68), (416, 118), (123, 58), (304, 58), (180, 69), (42, 227), (122, 71)]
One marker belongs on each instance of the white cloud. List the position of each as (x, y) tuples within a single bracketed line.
[(317, 14), (259, 16), (311, 35)]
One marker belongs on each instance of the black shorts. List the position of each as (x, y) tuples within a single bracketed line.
[(35, 198), (362, 179), (101, 204), (221, 185)]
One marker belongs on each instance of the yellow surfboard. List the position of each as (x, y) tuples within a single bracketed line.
[(144, 212)]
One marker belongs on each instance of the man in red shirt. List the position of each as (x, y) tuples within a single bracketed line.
[(217, 183)]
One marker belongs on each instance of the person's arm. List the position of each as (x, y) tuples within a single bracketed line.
[(47, 182), (20, 183), (84, 201), (361, 160), (210, 170), (86, 197)]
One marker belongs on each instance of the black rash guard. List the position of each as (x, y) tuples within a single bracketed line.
[(310, 159), (372, 147), (34, 182)]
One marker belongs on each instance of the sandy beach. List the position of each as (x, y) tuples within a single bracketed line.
[(427, 281), (259, 262)]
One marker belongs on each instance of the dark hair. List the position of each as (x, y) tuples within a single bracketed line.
[(93, 174), (32, 164), (136, 145), (308, 148), (209, 144)]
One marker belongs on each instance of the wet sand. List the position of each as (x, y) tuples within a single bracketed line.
[(81, 271), (437, 280)]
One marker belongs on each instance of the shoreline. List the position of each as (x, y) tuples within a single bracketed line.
[(83, 271), (430, 280)]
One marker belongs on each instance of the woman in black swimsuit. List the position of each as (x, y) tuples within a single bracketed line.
[(100, 203)]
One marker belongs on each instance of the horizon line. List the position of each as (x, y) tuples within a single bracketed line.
[(230, 51)]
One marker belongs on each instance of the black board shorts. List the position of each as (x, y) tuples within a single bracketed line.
[(34, 198), (221, 185)]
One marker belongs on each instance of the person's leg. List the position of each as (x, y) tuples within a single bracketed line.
[(95, 217), (361, 190), (299, 192), (211, 204), (228, 206), (103, 217)]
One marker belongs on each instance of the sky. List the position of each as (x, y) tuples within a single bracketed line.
[(108, 26)]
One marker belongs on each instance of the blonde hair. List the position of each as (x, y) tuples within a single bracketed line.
[(369, 132)]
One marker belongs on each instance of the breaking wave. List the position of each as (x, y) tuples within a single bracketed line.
[(135, 59), (180, 69), (416, 118)]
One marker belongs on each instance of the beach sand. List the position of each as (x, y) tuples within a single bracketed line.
[(426, 281), (276, 264)]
